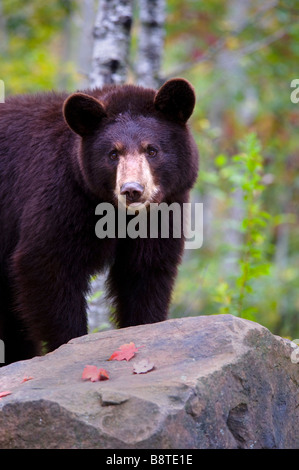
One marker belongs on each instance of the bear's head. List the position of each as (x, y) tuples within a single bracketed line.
[(135, 145)]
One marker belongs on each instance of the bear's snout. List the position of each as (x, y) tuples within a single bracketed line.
[(132, 191), (134, 180)]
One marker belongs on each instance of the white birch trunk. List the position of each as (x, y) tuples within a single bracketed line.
[(111, 42), (151, 42)]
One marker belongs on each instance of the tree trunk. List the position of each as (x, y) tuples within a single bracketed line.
[(111, 42), (151, 42)]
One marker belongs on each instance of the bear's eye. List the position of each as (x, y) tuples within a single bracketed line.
[(113, 154), (151, 151)]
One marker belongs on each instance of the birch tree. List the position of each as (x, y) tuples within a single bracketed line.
[(112, 33), (150, 42)]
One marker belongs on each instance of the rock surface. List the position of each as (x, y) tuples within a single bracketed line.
[(219, 382)]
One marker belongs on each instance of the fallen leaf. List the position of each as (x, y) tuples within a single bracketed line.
[(25, 379), (103, 374), (4, 394), (143, 366), (125, 351), (94, 374), (90, 373)]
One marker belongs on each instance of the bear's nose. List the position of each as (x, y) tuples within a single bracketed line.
[(133, 191)]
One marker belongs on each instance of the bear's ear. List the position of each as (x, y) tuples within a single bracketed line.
[(83, 113), (176, 99)]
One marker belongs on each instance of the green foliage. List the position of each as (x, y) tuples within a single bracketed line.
[(245, 174), (242, 67), (31, 44)]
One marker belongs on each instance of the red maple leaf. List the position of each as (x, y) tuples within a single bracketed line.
[(126, 351), (94, 374), (4, 394), (25, 379), (103, 374)]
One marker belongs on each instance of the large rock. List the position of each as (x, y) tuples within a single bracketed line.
[(218, 382)]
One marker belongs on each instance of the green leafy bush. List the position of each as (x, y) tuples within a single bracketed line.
[(245, 174)]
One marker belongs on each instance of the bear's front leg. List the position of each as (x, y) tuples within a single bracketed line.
[(141, 279), (49, 295)]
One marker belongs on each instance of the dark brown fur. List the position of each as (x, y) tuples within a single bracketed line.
[(51, 180)]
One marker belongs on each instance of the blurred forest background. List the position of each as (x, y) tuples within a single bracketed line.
[(241, 56)]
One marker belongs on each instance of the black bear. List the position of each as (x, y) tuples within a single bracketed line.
[(60, 156)]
